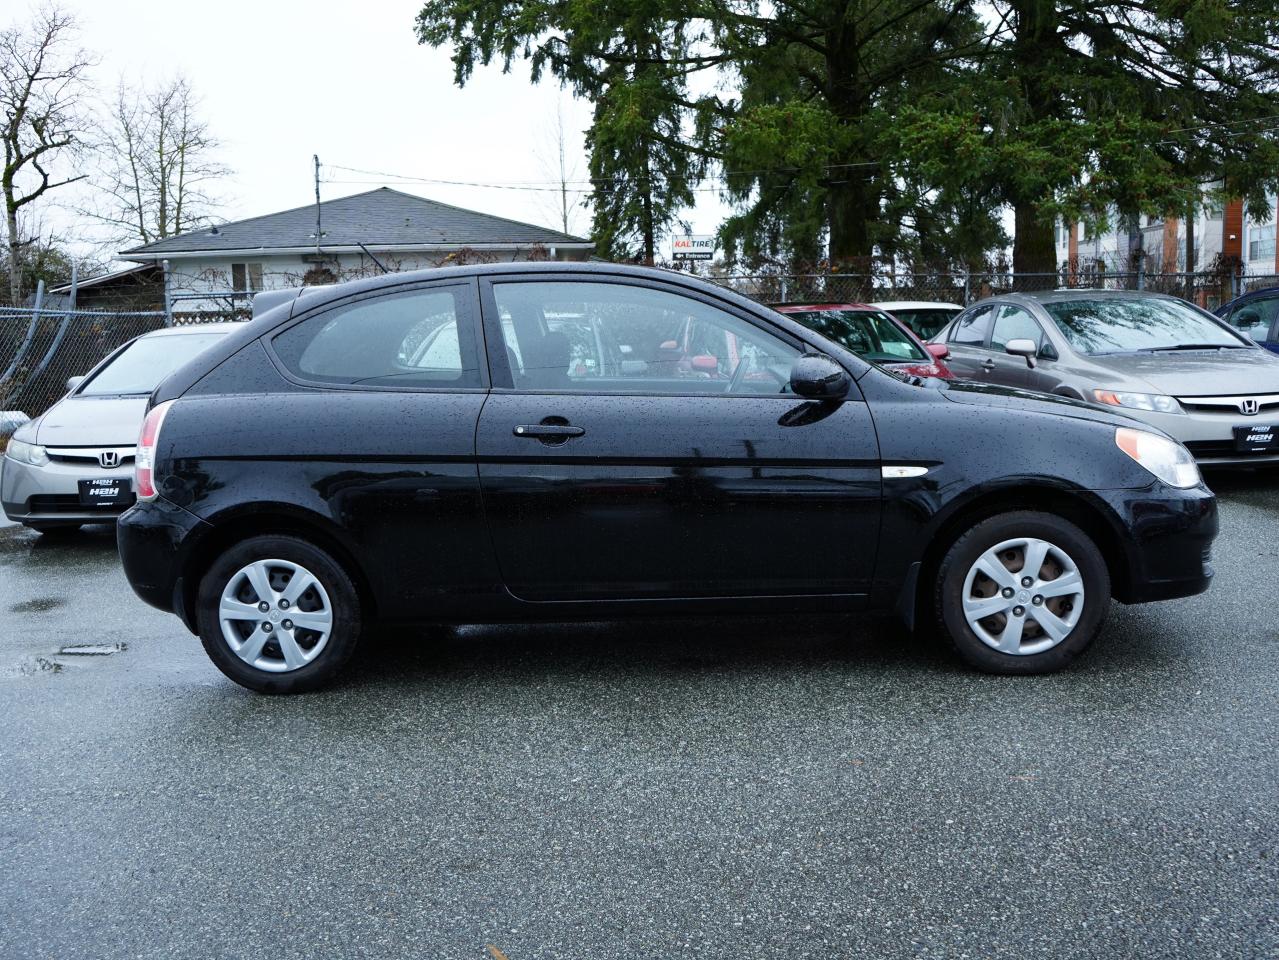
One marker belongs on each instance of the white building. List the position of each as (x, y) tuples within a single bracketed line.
[(205, 268)]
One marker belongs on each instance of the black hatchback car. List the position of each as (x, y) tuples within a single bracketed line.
[(520, 441)]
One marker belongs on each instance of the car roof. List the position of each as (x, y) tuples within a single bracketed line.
[(792, 307), (1264, 293), (220, 328), (1080, 293), (891, 305)]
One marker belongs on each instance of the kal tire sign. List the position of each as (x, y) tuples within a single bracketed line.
[(693, 247)]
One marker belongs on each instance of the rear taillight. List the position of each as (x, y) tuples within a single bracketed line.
[(144, 460)]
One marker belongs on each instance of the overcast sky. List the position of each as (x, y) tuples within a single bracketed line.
[(284, 79)]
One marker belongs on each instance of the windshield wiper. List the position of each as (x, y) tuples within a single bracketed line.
[(1193, 346)]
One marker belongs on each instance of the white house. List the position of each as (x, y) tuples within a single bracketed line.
[(207, 267)]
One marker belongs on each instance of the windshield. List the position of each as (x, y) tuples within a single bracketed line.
[(925, 321), (140, 367), (871, 334), (1124, 325)]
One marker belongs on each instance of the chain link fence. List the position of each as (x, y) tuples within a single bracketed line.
[(65, 332), (1208, 290)]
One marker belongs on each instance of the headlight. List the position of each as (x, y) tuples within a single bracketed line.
[(1156, 402), (27, 453), (1166, 459)]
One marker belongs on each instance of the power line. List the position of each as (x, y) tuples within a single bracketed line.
[(530, 184)]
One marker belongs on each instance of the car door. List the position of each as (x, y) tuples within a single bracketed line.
[(1013, 322), (381, 432), (967, 342), (653, 480)]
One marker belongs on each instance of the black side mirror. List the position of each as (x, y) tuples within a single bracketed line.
[(818, 377)]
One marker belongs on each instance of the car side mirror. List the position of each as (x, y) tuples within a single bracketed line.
[(73, 382), (1020, 347), (938, 351), (818, 377)]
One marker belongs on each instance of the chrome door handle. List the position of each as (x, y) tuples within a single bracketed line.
[(988, 365)]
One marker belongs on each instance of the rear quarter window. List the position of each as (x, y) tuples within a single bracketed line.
[(424, 338)]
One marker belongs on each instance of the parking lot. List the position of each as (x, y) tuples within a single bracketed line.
[(734, 788)]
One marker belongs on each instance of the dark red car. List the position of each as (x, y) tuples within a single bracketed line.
[(873, 335)]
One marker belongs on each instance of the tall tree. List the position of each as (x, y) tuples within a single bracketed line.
[(799, 140), (631, 59), (42, 93), (821, 83), (1078, 108), (158, 163)]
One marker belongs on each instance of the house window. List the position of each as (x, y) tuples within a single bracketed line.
[(1261, 241), (246, 276)]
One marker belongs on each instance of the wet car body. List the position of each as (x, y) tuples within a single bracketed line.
[(784, 481)]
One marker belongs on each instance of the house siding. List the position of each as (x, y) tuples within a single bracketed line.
[(193, 280)]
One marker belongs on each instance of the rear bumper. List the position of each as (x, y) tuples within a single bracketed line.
[(156, 539)]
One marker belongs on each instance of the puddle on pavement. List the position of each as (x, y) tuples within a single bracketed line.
[(33, 667), (37, 605), (92, 649)]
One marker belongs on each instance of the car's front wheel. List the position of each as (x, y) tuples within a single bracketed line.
[(277, 614), (1022, 592)]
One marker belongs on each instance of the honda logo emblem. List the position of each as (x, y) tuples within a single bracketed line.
[(1249, 407), (111, 458)]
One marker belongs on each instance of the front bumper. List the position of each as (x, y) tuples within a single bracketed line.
[(1208, 436), (51, 492), (1168, 543)]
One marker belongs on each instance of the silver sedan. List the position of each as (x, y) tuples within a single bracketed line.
[(74, 463), (1155, 358)]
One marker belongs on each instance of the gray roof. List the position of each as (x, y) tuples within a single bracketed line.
[(378, 218)]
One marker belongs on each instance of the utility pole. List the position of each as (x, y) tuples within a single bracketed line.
[(318, 234)]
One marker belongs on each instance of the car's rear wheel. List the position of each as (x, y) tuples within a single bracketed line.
[(277, 614), (1022, 592)]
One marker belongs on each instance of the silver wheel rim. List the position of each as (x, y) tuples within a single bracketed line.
[(1023, 596), (275, 615)]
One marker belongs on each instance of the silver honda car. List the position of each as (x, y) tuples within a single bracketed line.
[(74, 463), (1156, 358)]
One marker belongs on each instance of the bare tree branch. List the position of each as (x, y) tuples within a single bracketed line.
[(42, 93)]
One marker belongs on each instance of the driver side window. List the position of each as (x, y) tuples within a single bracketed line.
[(589, 337)]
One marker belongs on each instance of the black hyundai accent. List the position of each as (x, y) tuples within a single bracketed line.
[(555, 441)]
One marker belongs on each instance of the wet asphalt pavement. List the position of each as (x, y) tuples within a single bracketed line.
[(753, 788)]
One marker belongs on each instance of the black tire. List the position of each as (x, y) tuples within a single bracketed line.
[(964, 552), (53, 527), (343, 599)]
